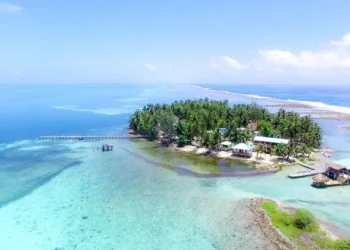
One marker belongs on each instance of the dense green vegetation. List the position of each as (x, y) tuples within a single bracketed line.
[(201, 120), (302, 229)]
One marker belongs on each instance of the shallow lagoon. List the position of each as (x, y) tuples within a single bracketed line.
[(115, 200)]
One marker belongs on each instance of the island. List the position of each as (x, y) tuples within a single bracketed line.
[(241, 131)]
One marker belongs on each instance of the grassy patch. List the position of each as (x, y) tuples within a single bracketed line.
[(282, 165), (301, 159), (302, 229)]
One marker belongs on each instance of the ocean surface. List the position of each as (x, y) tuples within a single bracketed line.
[(69, 195)]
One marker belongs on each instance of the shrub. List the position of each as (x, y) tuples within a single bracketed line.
[(342, 245), (182, 141), (303, 219), (301, 159)]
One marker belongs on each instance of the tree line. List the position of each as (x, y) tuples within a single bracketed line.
[(202, 120)]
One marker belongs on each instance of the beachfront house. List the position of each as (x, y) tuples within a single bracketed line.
[(269, 142), (334, 170), (242, 150), (225, 145)]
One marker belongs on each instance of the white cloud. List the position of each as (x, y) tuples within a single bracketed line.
[(10, 8), (343, 42), (337, 56), (231, 63), (328, 65), (149, 66), (307, 59)]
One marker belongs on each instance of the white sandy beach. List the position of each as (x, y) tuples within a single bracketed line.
[(265, 159)]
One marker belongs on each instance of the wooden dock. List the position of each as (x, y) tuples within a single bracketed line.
[(91, 137), (306, 173)]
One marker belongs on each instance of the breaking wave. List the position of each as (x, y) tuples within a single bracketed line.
[(315, 105)]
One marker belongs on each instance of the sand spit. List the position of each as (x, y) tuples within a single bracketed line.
[(264, 225)]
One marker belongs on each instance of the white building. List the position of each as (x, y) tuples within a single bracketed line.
[(225, 145), (242, 149), (269, 142)]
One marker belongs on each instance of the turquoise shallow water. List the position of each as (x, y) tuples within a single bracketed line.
[(114, 201), (65, 195), (118, 201)]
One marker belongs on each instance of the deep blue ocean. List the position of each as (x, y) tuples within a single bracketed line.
[(28, 111)]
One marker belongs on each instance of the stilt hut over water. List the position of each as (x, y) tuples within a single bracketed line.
[(107, 147), (335, 175), (334, 170), (320, 180)]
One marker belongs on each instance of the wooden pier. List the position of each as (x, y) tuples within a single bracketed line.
[(306, 173), (91, 137)]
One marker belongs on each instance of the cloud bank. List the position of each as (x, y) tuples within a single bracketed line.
[(330, 65)]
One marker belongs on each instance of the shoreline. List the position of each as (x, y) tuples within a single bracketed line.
[(264, 223), (269, 164), (274, 234), (262, 166), (262, 161)]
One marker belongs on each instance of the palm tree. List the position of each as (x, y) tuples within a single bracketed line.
[(195, 117), (206, 140), (247, 136), (279, 150), (261, 149), (216, 139), (238, 137)]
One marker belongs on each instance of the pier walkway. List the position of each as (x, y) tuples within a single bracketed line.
[(306, 173), (91, 137), (319, 168)]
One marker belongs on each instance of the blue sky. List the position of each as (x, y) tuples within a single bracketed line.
[(175, 41)]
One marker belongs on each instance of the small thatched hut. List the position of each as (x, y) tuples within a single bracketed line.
[(319, 180)]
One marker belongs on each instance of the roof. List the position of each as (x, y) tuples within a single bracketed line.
[(227, 143), (335, 166), (223, 131), (320, 178), (271, 140), (343, 178), (242, 146)]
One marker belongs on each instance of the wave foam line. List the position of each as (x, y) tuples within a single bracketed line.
[(312, 104)]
